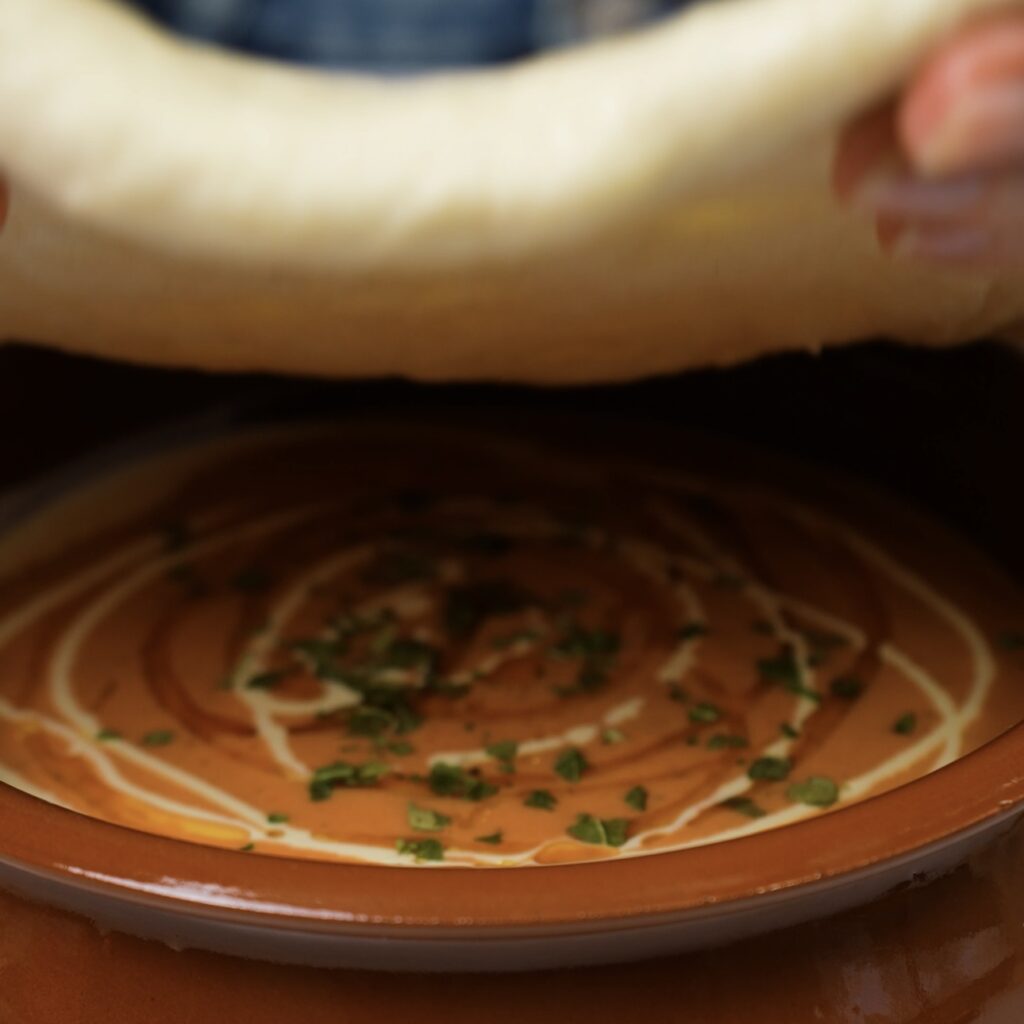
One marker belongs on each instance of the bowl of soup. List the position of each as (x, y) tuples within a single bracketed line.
[(489, 692)]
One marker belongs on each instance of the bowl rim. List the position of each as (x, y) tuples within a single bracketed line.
[(301, 895), (296, 894)]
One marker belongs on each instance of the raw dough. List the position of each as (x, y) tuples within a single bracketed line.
[(631, 207)]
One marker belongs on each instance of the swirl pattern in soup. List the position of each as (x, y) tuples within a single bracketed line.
[(409, 646)]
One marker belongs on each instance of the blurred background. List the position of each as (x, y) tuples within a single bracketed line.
[(401, 35)]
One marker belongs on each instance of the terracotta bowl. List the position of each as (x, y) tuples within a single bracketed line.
[(328, 915)]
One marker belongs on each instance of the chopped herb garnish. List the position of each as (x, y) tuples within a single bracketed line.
[(452, 780), (542, 799), (823, 643), (423, 819), (252, 579), (691, 630), (370, 721), (504, 752), (400, 748), (494, 838), (745, 806), (771, 769), (905, 724), (785, 670), (571, 764), (105, 735), (788, 731), (248, 848), (596, 647), (158, 738), (609, 737), (599, 831), (345, 774), (277, 818), (727, 741), (817, 791), (637, 798), (265, 680), (421, 849), (705, 713), (846, 687)]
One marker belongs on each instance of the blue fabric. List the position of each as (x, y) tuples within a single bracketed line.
[(397, 35)]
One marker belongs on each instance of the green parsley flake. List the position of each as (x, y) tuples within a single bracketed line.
[(571, 765), (277, 818), (453, 780), (494, 838), (770, 769), (599, 831), (705, 713), (817, 791), (609, 737), (106, 735), (789, 731), (421, 849), (265, 681), (542, 799), (158, 738), (423, 819), (248, 848), (905, 724), (637, 798), (784, 669), (846, 687), (504, 752), (401, 748), (745, 806), (343, 774), (725, 741)]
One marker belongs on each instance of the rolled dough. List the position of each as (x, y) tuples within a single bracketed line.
[(630, 207)]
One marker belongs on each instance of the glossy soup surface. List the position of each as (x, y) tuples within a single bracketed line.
[(420, 646)]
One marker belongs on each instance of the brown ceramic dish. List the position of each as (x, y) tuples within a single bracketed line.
[(319, 913)]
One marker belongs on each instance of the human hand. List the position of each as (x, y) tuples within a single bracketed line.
[(942, 169)]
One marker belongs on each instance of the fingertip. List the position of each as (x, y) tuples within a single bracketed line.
[(932, 122)]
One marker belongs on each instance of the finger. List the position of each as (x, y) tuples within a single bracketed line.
[(964, 110), (986, 231)]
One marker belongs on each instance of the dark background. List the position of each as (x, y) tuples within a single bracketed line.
[(943, 428)]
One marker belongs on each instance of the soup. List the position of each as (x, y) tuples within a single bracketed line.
[(410, 645)]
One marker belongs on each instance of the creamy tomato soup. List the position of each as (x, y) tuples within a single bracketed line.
[(414, 646)]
